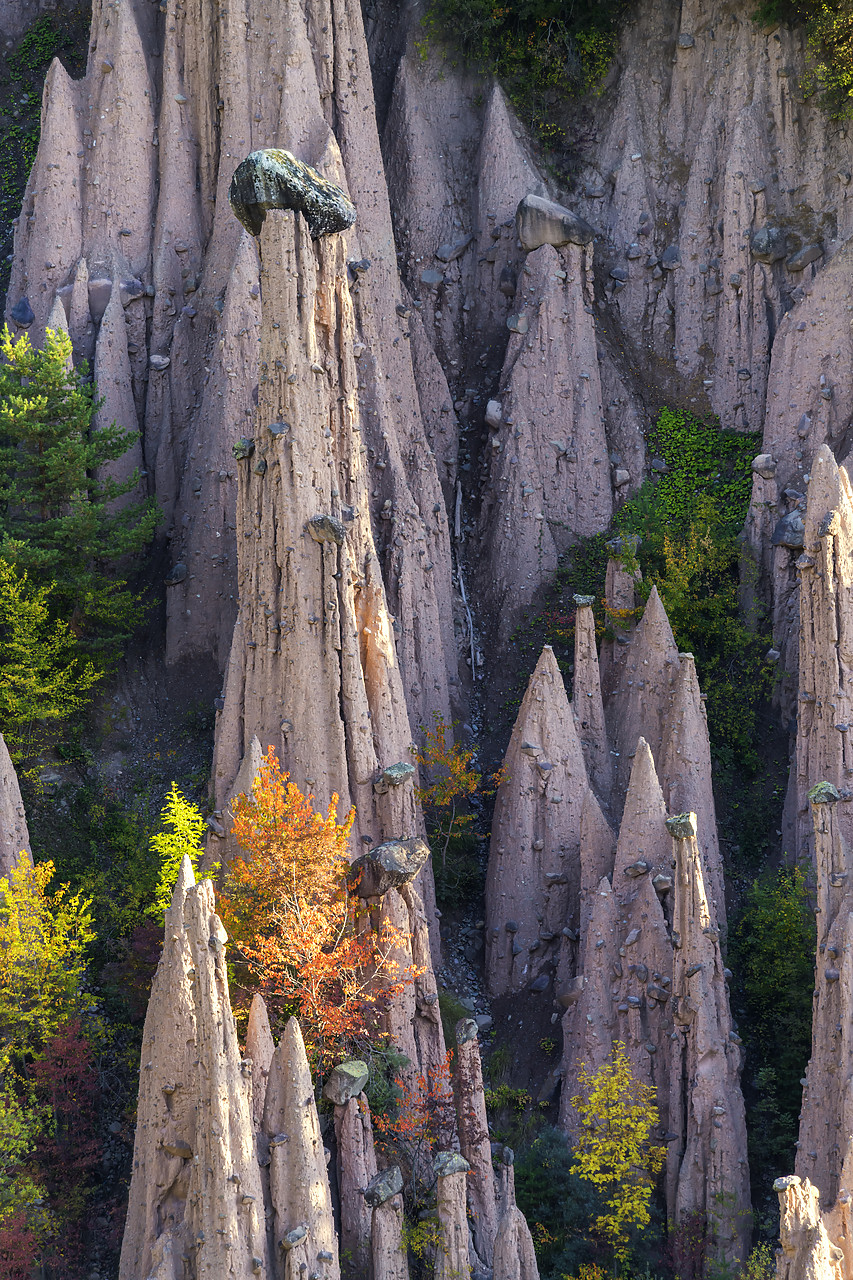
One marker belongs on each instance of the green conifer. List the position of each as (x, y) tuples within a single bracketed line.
[(59, 517)]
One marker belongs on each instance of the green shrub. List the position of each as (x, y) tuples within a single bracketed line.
[(771, 953), (689, 522), (558, 1204)]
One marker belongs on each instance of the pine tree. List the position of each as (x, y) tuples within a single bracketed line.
[(58, 517)]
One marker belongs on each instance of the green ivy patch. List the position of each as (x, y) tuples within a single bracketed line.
[(688, 519)]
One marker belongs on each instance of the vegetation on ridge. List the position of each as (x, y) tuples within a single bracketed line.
[(543, 51)]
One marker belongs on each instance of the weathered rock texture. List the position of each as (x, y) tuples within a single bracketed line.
[(549, 473), (299, 1180), (825, 710), (707, 1168), (229, 1167), (126, 219), (14, 836), (826, 1119), (195, 1190), (807, 1252), (474, 1140), (631, 934), (532, 887)]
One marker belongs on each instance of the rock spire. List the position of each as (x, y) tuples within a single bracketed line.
[(195, 1190), (533, 884), (707, 1167)]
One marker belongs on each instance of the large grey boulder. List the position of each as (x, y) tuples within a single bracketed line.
[(389, 866), (768, 244), (274, 179), (543, 221)]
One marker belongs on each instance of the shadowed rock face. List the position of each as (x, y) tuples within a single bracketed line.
[(274, 179), (707, 1168)]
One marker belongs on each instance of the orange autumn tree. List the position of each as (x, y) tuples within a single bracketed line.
[(422, 1121), (289, 907)]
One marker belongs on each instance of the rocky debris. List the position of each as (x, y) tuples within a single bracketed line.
[(260, 1048), (22, 313), (299, 1182), (356, 1170), (707, 1167), (474, 1140), (274, 179), (826, 1118), (14, 836), (543, 221), (806, 1252), (395, 775), (515, 1257), (195, 1189), (532, 884), (452, 1257), (824, 710), (768, 244), (389, 866)]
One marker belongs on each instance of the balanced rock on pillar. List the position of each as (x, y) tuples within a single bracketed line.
[(807, 1252)]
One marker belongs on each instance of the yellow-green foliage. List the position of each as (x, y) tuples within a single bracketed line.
[(19, 1126), (43, 940), (614, 1150), (185, 829), (830, 34), (43, 677)]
